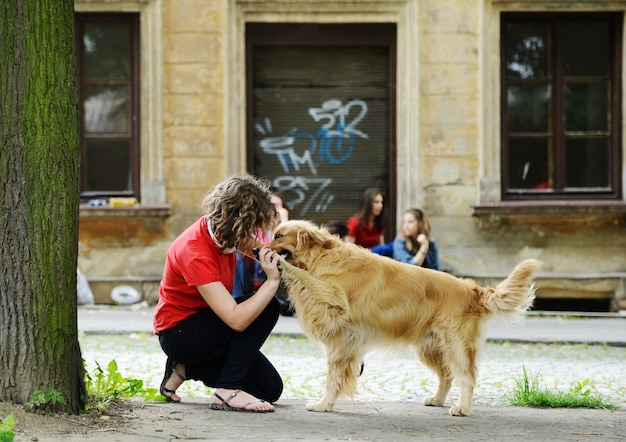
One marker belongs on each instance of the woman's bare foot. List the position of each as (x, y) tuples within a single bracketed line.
[(240, 400)]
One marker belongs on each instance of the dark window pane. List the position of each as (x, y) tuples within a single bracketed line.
[(527, 50), (528, 108), (566, 138), (586, 49), (529, 164), (587, 163), (107, 109), (108, 163), (586, 107), (107, 50)]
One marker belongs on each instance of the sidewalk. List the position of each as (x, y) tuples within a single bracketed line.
[(372, 420), (362, 421), (589, 328)]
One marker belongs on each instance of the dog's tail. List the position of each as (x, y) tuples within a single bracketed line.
[(513, 296)]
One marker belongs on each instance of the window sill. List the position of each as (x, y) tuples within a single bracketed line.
[(123, 225), (562, 216), (151, 211)]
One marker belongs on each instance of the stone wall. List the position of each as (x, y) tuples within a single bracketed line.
[(447, 139)]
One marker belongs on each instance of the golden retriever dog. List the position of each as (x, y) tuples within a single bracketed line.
[(352, 300)]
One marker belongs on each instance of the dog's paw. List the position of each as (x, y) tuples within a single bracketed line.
[(432, 401), (458, 410), (318, 406)]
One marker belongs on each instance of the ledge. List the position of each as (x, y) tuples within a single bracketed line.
[(562, 216), (155, 210)]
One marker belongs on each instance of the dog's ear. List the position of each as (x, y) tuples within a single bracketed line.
[(315, 236)]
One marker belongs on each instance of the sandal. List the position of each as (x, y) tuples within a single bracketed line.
[(170, 367), (225, 406)]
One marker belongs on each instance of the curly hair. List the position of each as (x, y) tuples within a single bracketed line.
[(365, 208), (237, 207)]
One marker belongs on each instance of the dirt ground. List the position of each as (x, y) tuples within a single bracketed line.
[(31, 426), (138, 421)]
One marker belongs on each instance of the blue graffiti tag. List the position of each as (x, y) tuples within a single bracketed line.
[(336, 140)]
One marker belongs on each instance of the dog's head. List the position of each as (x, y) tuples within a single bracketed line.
[(301, 241)]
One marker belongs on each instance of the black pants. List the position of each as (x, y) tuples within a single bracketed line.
[(220, 357)]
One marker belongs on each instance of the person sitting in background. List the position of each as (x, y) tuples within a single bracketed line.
[(367, 227), (415, 245), (258, 277), (244, 275), (337, 228), (281, 208)]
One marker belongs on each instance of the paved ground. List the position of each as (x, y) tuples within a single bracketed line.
[(363, 421), (388, 406), (396, 415), (573, 328)]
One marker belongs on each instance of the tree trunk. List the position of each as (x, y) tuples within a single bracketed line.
[(39, 347)]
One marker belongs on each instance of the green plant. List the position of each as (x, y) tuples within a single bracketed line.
[(45, 401), (6, 428), (110, 386), (529, 391)]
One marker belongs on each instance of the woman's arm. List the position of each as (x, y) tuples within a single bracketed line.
[(420, 256), (400, 252), (432, 258), (240, 316)]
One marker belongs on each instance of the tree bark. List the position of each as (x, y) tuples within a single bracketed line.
[(39, 347)]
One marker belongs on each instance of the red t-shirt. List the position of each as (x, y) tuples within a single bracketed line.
[(193, 259), (365, 236)]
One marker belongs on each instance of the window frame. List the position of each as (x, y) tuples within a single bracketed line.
[(133, 19), (614, 190)]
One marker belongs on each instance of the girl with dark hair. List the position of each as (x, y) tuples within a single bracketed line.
[(367, 227)]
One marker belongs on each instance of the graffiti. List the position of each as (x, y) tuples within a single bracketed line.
[(305, 192), (333, 143), (283, 148), (330, 135)]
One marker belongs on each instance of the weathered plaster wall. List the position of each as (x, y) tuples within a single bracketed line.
[(447, 137)]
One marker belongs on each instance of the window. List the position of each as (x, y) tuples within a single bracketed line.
[(561, 106), (108, 73)]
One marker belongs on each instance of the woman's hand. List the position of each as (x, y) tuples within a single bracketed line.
[(269, 262), (422, 240), (419, 257)]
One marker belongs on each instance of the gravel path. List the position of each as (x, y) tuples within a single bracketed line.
[(387, 377)]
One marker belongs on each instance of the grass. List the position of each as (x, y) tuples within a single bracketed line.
[(103, 388), (529, 392), (303, 367), (6, 428), (109, 386)]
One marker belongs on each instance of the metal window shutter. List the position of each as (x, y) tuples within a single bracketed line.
[(321, 125)]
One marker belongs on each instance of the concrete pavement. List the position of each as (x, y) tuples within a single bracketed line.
[(388, 420), (590, 328), (358, 421)]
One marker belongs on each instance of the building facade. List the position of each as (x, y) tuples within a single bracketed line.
[(502, 119)]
